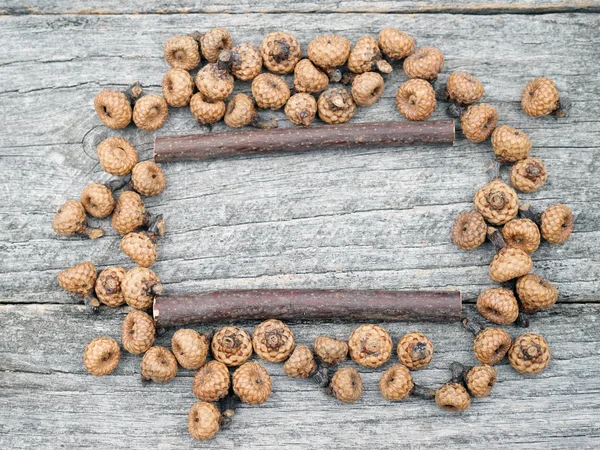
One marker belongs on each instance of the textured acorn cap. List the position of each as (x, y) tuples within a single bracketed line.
[(190, 348), (536, 293), (491, 344), (370, 345), (329, 51), (150, 112), (523, 234), (330, 350), (101, 356), (97, 199), (148, 179), (270, 91), (108, 286), (415, 350), (251, 383), (231, 345), (301, 363), (346, 385), (415, 99), (367, 88), (425, 63), (130, 213), (240, 111), (480, 380), (214, 83), (206, 112), (301, 109), (557, 223), (510, 263), (464, 88), (117, 156), (498, 305), (529, 354), (139, 286), (469, 230), (308, 78), (158, 365), (528, 175), (497, 202), (137, 332), (453, 397), (478, 122), (113, 108), (181, 52), (211, 382), (336, 105), (70, 219), (280, 52), (366, 56), (510, 144), (273, 340), (213, 41), (177, 87), (395, 44), (140, 247), (247, 61), (78, 279), (396, 383), (540, 97), (204, 421)]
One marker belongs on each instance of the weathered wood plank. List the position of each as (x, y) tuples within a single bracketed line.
[(43, 377)]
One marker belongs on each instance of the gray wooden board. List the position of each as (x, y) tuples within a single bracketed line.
[(376, 218)]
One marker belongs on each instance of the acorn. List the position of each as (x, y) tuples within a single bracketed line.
[(308, 78), (232, 346), (480, 380), (301, 363), (270, 91), (464, 88), (148, 179), (536, 293), (214, 83), (366, 56), (177, 87), (498, 305), (478, 122), (395, 44), (330, 350), (490, 344), (150, 112), (204, 421), (415, 350), (108, 286), (415, 99), (211, 382), (557, 223), (469, 231), (101, 356), (190, 348), (113, 108), (70, 220), (523, 234), (97, 200), (425, 63), (301, 109), (528, 175), (509, 262), (78, 279), (346, 385), (396, 383), (213, 41), (139, 286), (182, 52), (453, 395), (137, 332), (117, 156), (280, 52), (335, 105), (246, 61), (130, 213), (205, 111), (540, 98), (510, 144), (497, 202), (251, 383), (370, 345), (529, 354), (241, 112), (367, 88), (273, 341), (158, 365), (329, 51), (140, 247)]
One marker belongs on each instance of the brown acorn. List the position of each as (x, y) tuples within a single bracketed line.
[(509, 262), (211, 382), (190, 348), (415, 350), (177, 87), (540, 98), (366, 57), (273, 340), (148, 179), (117, 156), (70, 220), (330, 350), (370, 345), (182, 52), (280, 52), (232, 346), (97, 199), (301, 363), (138, 332), (536, 293), (108, 286), (346, 385), (158, 365), (241, 112), (213, 41), (528, 175), (523, 234), (415, 99), (205, 111), (130, 213), (78, 279), (478, 122), (464, 88), (396, 383), (251, 383), (510, 144), (498, 305), (101, 356), (270, 91), (214, 83), (139, 286), (329, 51), (246, 61), (309, 79), (204, 421), (150, 112), (425, 63), (490, 344), (469, 230), (480, 380), (367, 88), (529, 354), (336, 105), (395, 44), (557, 223), (453, 397), (497, 202), (140, 247), (301, 109), (113, 108)]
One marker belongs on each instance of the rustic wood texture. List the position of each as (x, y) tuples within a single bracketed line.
[(363, 219)]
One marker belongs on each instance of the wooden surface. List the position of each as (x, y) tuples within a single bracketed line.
[(377, 218)]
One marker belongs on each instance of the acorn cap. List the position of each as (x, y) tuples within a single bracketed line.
[(211, 382), (425, 63), (510, 263), (117, 156), (346, 385), (464, 88), (108, 286), (204, 421), (137, 332), (148, 179), (130, 213), (510, 144), (140, 247), (540, 97), (150, 112), (453, 397), (214, 83), (498, 305), (370, 345), (270, 91), (273, 340), (330, 350), (246, 61), (97, 199), (491, 344), (529, 354), (336, 105), (190, 348), (557, 223), (396, 383), (158, 365), (301, 109), (536, 293), (177, 87), (240, 111), (329, 51), (232, 346), (181, 52), (478, 122), (469, 231), (308, 78), (280, 52), (366, 56), (206, 112), (251, 383), (480, 380), (395, 44), (70, 219), (415, 350), (528, 175), (301, 364), (113, 108), (78, 279), (367, 88), (497, 202), (139, 286), (415, 99), (523, 234), (101, 356)]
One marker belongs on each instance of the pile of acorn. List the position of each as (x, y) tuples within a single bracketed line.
[(331, 59)]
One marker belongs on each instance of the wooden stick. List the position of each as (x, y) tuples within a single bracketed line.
[(304, 304), (342, 136)]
